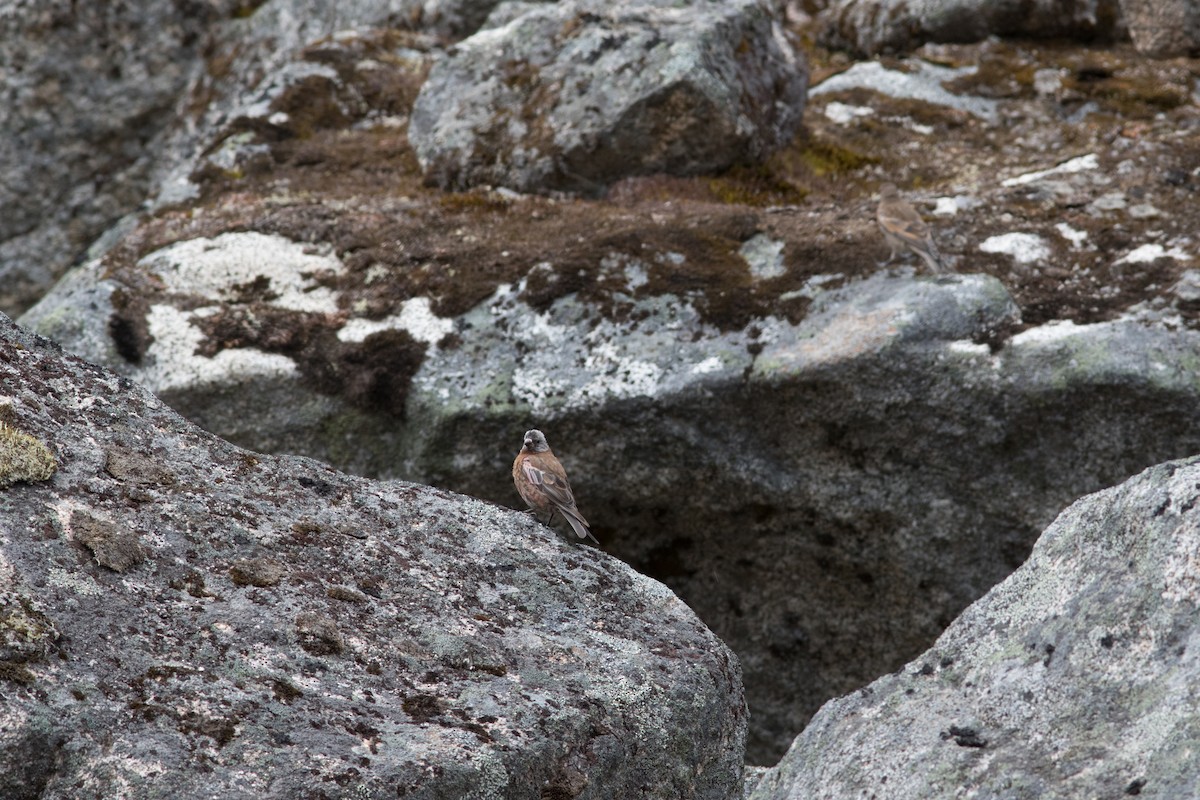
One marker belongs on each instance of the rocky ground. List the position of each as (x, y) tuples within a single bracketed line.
[(829, 459)]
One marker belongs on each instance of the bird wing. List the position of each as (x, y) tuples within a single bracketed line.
[(555, 487), (904, 221)]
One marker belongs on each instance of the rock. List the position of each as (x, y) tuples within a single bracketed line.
[(88, 94), (884, 442), (111, 107), (894, 450), (572, 96), (879, 26), (478, 656), (1074, 678), (1163, 28)]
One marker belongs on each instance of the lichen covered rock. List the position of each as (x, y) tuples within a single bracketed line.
[(572, 96), (261, 626), (1075, 678)]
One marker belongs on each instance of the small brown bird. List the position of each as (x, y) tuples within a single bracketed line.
[(904, 229), (542, 484)]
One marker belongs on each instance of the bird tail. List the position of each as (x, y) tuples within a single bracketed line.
[(578, 524), (932, 257)]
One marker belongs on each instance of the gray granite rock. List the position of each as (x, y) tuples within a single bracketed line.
[(571, 96), (1164, 28), (107, 107), (883, 461), (1075, 678), (880, 26), (183, 619), (88, 93)]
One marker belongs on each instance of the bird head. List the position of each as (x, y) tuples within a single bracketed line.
[(535, 441)]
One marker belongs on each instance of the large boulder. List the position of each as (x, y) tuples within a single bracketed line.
[(183, 619), (1076, 678), (572, 96)]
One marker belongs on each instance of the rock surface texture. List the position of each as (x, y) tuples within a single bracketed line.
[(1076, 678), (746, 403), (897, 26), (107, 106), (183, 619), (1164, 28), (87, 94), (572, 96)]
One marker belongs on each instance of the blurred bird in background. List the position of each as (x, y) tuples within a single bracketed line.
[(904, 229)]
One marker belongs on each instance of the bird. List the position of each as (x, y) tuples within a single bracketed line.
[(542, 483), (904, 229)]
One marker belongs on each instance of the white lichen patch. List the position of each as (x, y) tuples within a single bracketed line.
[(76, 582), (1149, 253), (1045, 334), (631, 271), (710, 364), (812, 287), (233, 264), (415, 317), (1181, 572), (946, 207), (968, 348), (844, 114), (617, 375), (764, 255), (1080, 164), (173, 362), (924, 82), (1025, 248), (1113, 201), (1075, 237)]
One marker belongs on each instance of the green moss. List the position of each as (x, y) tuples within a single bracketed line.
[(26, 633), (757, 185), (23, 458), (472, 201), (825, 158), (246, 9)]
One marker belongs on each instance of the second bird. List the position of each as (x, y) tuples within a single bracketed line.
[(542, 483), (904, 229)]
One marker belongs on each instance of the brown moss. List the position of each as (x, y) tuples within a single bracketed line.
[(15, 673), (112, 545), (260, 572), (221, 730), (373, 374), (245, 8), (422, 707), (285, 691), (826, 158), (318, 635), (477, 200), (757, 185), (131, 466)]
